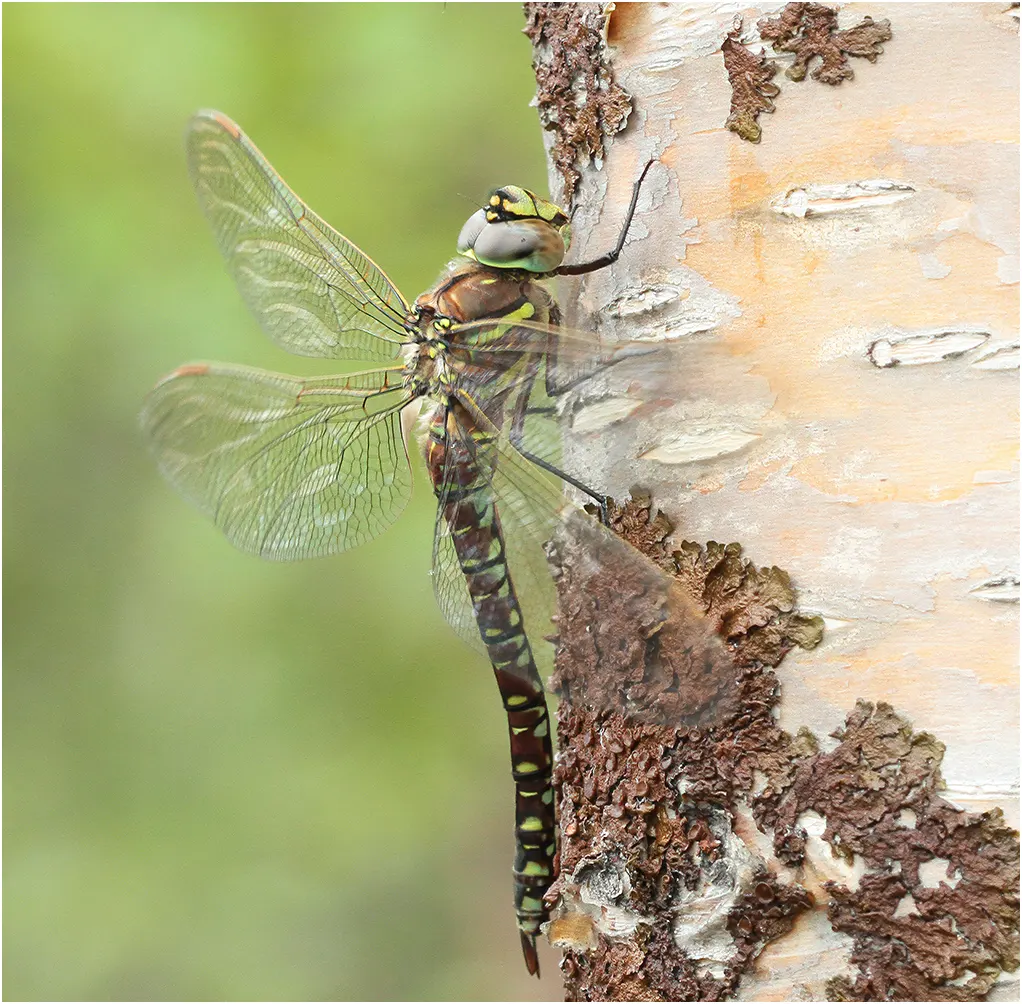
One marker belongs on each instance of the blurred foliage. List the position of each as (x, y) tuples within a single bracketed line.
[(229, 779)]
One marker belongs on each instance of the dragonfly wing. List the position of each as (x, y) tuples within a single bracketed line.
[(287, 468), (531, 419), (519, 373), (451, 588), (314, 292), (538, 523)]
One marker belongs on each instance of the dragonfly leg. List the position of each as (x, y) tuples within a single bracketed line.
[(611, 256), (600, 500)]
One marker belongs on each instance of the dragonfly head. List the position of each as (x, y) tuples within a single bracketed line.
[(516, 229)]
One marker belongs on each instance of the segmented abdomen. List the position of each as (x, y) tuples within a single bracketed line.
[(465, 495)]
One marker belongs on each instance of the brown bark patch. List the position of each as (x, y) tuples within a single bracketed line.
[(576, 95), (766, 913), (936, 916), (652, 762), (810, 31), (751, 89)]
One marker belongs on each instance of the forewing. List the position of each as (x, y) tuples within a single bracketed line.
[(314, 292), (287, 468)]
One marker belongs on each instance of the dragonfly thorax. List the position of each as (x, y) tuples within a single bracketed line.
[(462, 331), (470, 292), (430, 368)]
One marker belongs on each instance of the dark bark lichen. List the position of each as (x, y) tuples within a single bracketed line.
[(578, 100), (752, 92), (650, 773), (913, 940), (810, 32), (663, 893)]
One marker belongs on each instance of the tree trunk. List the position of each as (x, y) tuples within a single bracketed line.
[(838, 282)]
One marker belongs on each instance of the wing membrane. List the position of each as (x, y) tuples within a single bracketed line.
[(314, 292), (575, 355), (518, 373), (287, 468), (450, 587)]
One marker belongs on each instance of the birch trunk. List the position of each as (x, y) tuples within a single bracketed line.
[(843, 295)]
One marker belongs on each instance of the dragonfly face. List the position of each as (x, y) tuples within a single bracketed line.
[(295, 468)]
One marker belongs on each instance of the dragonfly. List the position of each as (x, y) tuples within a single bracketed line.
[(291, 468)]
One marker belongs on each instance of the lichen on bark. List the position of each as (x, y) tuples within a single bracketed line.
[(664, 890), (752, 91), (915, 937), (579, 102), (810, 31), (653, 768)]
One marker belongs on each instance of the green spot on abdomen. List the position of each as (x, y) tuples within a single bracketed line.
[(534, 868)]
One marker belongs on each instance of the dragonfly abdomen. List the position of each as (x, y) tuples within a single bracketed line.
[(465, 495)]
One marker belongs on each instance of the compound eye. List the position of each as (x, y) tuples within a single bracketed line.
[(530, 244), (471, 230)]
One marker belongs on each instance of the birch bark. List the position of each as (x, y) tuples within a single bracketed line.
[(845, 406)]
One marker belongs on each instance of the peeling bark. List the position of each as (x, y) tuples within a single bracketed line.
[(580, 105), (834, 819)]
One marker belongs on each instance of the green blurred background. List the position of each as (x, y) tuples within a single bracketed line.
[(229, 779)]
